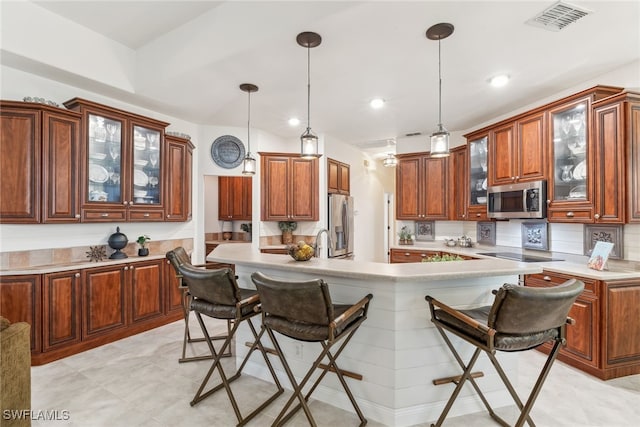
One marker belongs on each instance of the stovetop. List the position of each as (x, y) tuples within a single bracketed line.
[(519, 257)]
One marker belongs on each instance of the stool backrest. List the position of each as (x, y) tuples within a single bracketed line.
[(303, 301), (215, 286), (524, 309), (177, 257)]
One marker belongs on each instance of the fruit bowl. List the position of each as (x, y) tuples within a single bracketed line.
[(300, 251)]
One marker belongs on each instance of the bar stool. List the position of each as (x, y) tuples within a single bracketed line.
[(521, 318), (177, 257), (303, 310), (215, 293)]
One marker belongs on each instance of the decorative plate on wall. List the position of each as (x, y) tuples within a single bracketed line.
[(227, 151)]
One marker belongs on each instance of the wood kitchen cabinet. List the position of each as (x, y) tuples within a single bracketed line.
[(517, 151), (234, 198), (39, 152), (61, 313), (122, 165), (477, 164), (338, 177), (459, 194), (179, 164), (21, 301), (289, 187), (397, 255), (173, 291), (632, 136), (422, 184), (603, 340)]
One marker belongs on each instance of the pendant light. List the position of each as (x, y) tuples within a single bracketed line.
[(391, 161), (249, 162), (309, 140), (440, 138)]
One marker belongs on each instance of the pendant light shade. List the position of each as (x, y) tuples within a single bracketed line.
[(309, 140), (249, 162), (390, 161), (440, 138)]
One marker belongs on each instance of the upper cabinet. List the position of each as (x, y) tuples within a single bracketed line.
[(477, 164), (338, 177), (178, 167), (422, 187), (39, 152), (289, 187), (458, 171), (577, 159), (234, 198), (517, 151), (632, 135)]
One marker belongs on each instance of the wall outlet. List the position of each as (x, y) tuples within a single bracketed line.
[(297, 348)]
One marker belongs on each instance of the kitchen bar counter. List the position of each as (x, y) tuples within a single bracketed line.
[(397, 350)]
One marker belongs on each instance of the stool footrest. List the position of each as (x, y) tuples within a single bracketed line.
[(455, 379), (344, 373)]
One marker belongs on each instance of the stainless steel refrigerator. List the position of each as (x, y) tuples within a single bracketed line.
[(340, 226)]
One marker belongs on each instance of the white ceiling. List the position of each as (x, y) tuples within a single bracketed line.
[(369, 49)]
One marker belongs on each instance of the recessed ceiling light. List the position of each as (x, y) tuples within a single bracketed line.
[(499, 80), (294, 121), (377, 103)]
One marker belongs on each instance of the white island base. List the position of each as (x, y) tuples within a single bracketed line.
[(397, 350)]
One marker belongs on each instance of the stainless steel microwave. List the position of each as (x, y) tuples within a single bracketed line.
[(519, 200)]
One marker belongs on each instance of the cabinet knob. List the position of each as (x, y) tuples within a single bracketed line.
[(570, 214), (132, 267), (146, 215), (478, 215), (597, 216), (513, 178), (517, 177), (548, 202), (125, 203), (126, 268), (77, 275), (423, 255), (168, 216), (104, 215), (407, 254), (77, 215), (546, 278)]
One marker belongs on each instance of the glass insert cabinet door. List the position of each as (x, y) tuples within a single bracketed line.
[(478, 171), (570, 153), (105, 160), (146, 166)]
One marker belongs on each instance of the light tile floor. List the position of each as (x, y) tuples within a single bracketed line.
[(138, 382)]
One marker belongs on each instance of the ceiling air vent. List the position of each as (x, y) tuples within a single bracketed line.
[(558, 16)]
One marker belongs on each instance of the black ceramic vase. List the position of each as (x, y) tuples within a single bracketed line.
[(143, 251), (118, 241)]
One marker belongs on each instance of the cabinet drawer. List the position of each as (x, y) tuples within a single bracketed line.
[(103, 215), (399, 255), (580, 215), (274, 251), (146, 216), (546, 279)]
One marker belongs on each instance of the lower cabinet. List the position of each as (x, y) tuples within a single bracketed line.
[(73, 311), (282, 251), (602, 342), (417, 255)]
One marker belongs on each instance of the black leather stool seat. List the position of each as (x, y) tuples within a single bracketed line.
[(223, 311), (501, 341)]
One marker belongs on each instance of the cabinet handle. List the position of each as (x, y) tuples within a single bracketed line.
[(423, 255), (104, 215), (146, 215), (478, 215), (407, 254), (597, 216), (546, 278), (77, 274), (570, 214)]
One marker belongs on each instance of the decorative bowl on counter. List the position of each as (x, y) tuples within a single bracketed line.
[(300, 252)]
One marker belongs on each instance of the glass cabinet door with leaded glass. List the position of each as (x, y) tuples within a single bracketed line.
[(147, 182)]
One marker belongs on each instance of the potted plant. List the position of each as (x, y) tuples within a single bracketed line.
[(287, 228), (405, 236), (246, 227), (142, 241)]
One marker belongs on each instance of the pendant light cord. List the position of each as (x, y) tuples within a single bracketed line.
[(249, 124), (308, 88), (439, 87)]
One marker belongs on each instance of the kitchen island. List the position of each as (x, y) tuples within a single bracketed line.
[(397, 351)]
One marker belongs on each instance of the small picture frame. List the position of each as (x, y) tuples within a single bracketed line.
[(535, 236), (486, 233), (600, 255), (604, 233), (425, 231)]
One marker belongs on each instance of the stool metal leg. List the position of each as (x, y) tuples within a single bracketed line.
[(225, 383)]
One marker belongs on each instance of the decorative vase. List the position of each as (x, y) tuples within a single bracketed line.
[(287, 237), (226, 235), (143, 251), (118, 241)]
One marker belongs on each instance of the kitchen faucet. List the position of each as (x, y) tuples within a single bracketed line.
[(317, 242)]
